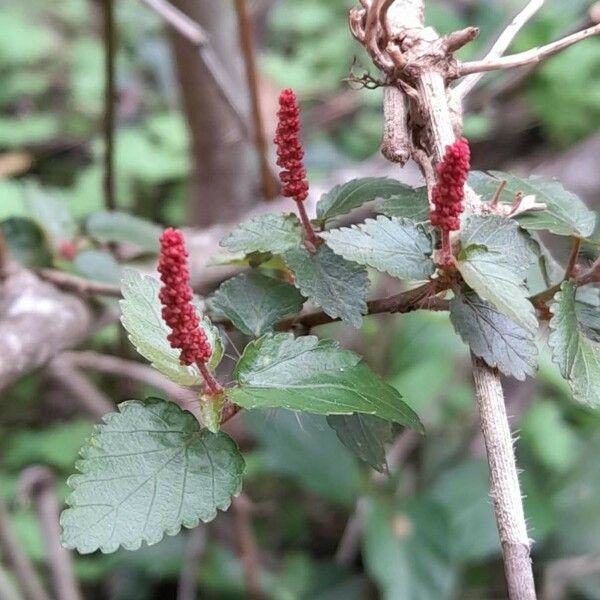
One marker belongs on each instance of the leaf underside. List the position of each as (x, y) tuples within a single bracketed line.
[(577, 356), (492, 336), (141, 317)]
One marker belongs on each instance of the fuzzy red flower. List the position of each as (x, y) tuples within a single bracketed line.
[(290, 153), (449, 192), (176, 297)]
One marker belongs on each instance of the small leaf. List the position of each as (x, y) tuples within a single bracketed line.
[(51, 213), (492, 336), (267, 233), (123, 228), (494, 272), (255, 303), (314, 376), (339, 287), (98, 265), (26, 242), (392, 246), (565, 213), (146, 472), (141, 317), (346, 197), (577, 356), (407, 549), (365, 435), (410, 204)]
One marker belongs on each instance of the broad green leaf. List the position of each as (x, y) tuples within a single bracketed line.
[(98, 265), (551, 438), (107, 226), (339, 287), (146, 472), (303, 448), (407, 550), (267, 233), (255, 303), (346, 197), (565, 213), (392, 246), (494, 260), (500, 342), (141, 317), (463, 491), (314, 376), (577, 356), (26, 242), (410, 204), (365, 435), (51, 213)]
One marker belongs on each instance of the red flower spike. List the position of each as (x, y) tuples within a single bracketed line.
[(178, 311), (449, 192), (290, 155)]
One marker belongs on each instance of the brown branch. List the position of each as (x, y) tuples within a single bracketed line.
[(89, 397), (573, 257), (37, 482), (109, 103), (114, 365), (196, 35), (529, 57), (242, 509), (270, 184), (24, 570), (7, 589), (188, 578), (79, 285), (37, 321), (500, 46)]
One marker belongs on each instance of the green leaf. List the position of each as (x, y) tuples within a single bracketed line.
[(463, 491), (565, 213), (141, 317), (346, 197), (303, 448), (339, 287), (410, 204), (392, 246), (314, 376), (26, 242), (255, 303), (365, 435), (494, 272), (492, 336), (407, 550), (577, 356), (51, 213), (267, 233), (123, 228), (98, 265), (146, 472)]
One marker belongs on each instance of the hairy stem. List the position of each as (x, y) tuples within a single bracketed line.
[(309, 233), (504, 482)]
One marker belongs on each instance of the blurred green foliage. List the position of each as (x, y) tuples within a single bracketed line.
[(429, 526)]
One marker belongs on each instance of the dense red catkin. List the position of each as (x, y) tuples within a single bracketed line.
[(176, 297), (290, 153), (449, 192)]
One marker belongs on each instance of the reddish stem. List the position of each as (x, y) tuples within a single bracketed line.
[(309, 233), (212, 385), (446, 257)]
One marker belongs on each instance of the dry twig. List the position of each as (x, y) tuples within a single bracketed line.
[(500, 46)]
